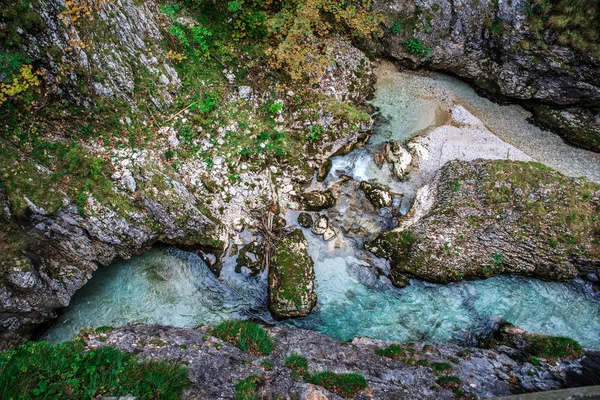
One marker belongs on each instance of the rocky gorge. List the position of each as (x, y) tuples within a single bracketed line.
[(270, 185)]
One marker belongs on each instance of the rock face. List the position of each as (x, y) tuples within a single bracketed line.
[(216, 366), (291, 278), (60, 251), (494, 46), (305, 220), (497, 217), (318, 200), (126, 48)]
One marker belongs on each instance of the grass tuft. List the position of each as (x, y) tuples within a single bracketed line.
[(344, 385), (554, 348), (247, 389), (247, 336), (40, 370)]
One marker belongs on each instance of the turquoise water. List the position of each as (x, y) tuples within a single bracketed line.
[(173, 287)]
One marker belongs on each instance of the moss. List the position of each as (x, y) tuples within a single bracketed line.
[(290, 277), (554, 348), (441, 367)]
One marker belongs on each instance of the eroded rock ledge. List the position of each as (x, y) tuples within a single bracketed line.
[(485, 218), (413, 372)]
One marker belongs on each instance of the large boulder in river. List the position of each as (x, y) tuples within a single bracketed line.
[(291, 278), (318, 200), (486, 218)]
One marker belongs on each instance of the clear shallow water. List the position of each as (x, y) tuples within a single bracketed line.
[(172, 287)]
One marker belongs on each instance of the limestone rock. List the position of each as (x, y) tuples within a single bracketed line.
[(318, 200), (377, 195), (320, 226), (483, 372), (305, 220), (291, 278), (252, 257), (398, 158), (497, 217)]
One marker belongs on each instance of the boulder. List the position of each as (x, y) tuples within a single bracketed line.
[(318, 200), (291, 278), (305, 220), (320, 226), (378, 196), (497, 217), (399, 159)]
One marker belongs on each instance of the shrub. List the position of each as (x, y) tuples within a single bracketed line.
[(247, 336), (554, 348), (37, 369), (344, 385), (247, 389)]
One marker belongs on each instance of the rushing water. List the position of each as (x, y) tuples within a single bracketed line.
[(172, 287)]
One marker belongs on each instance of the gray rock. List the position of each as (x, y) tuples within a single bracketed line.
[(320, 226), (483, 373), (318, 200), (377, 195), (305, 220)]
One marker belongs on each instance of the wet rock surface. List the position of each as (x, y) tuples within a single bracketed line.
[(215, 366), (485, 218), (377, 195), (318, 200), (291, 278), (305, 220)]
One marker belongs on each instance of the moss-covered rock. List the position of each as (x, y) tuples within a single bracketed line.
[(378, 196), (318, 200), (291, 278), (305, 220), (499, 217)]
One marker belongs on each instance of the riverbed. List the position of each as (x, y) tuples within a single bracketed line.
[(172, 287)]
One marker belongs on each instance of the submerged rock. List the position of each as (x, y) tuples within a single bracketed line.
[(305, 220), (252, 257), (377, 195), (498, 217), (291, 278), (318, 200)]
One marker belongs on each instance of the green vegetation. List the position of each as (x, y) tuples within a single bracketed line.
[(247, 336), (39, 370), (404, 353), (299, 365), (576, 22), (441, 367), (452, 383), (416, 46), (344, 385), (554, 348), (247, 389)]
